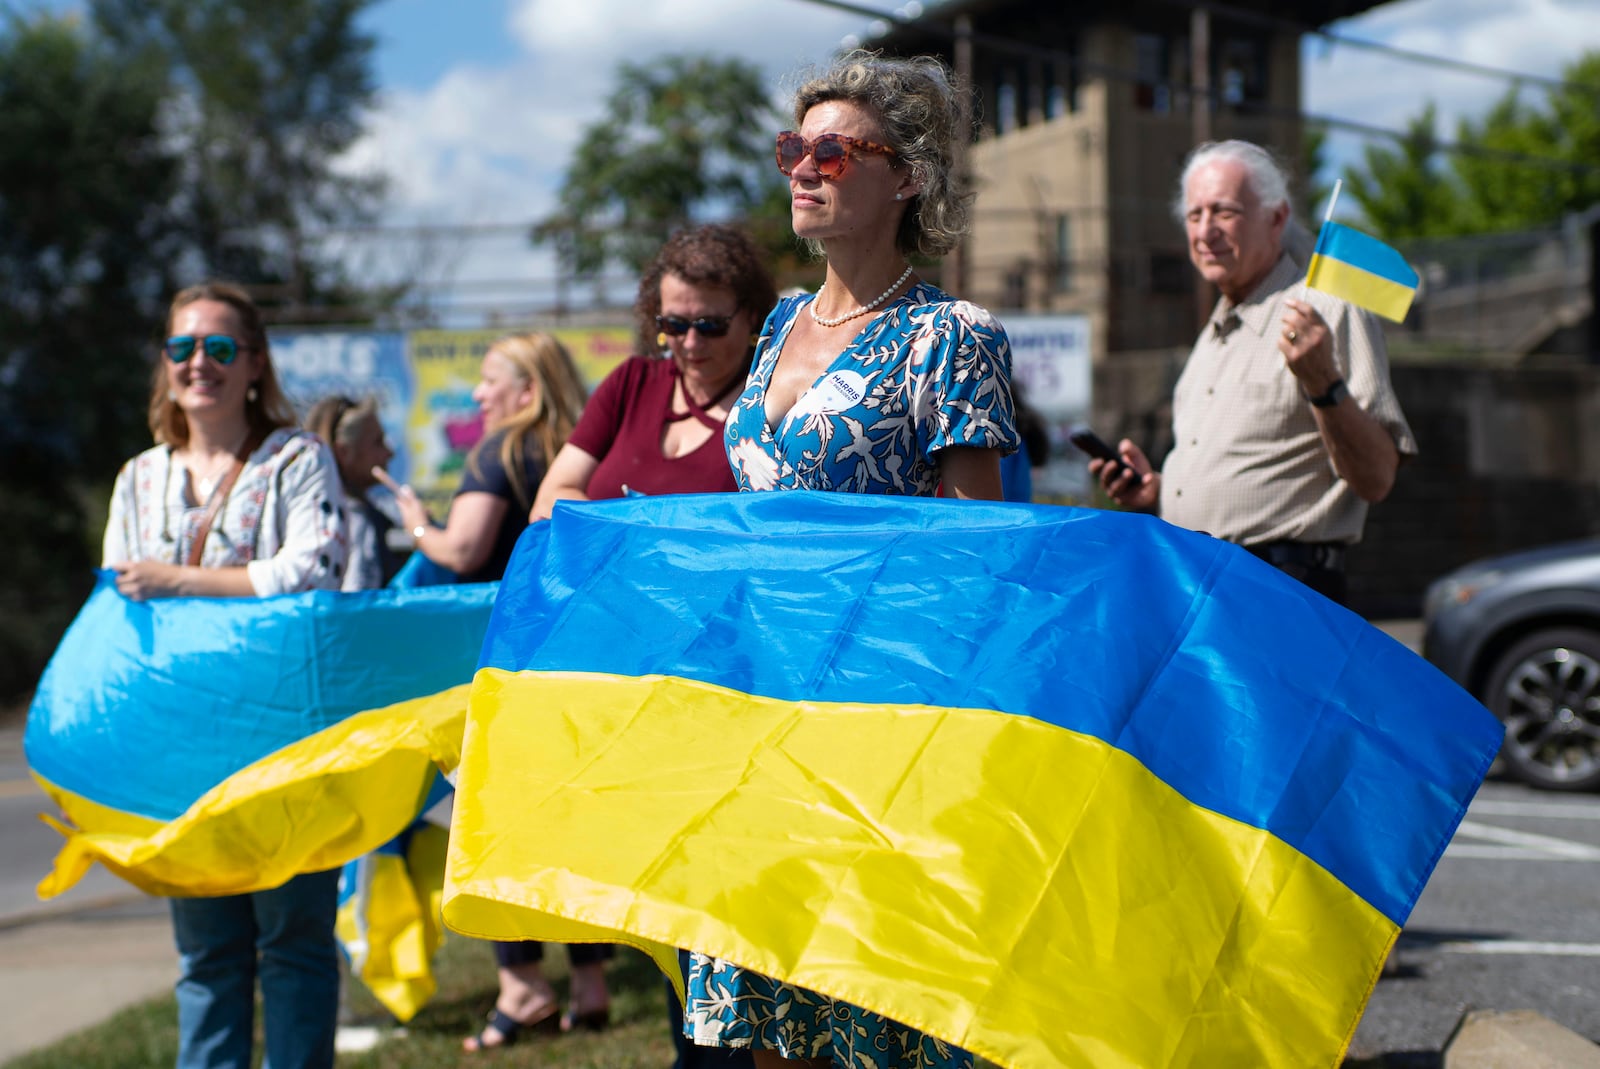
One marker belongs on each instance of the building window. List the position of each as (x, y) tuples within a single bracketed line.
[(1005, 106), (1242, 71), (1056, 103), (1061, 276), (1169, 273), (1016, 287), (1151, 90)]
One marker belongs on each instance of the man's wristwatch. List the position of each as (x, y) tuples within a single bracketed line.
[(1336, 393)]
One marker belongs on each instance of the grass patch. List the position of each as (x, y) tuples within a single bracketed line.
[(145, 1036)]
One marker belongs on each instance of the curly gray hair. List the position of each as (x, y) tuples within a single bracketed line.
[(919, 107)]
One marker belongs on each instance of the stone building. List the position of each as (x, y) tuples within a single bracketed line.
[(1085, 112)]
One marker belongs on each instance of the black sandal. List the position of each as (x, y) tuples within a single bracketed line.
[(593, 1020), (510, 1029)]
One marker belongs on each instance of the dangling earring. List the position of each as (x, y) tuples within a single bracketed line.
[(755, 339), (252, 394), (661, 339)]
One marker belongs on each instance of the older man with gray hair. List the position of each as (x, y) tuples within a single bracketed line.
[(1284, 421)]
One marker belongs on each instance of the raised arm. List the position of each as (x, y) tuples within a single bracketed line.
[(465, 540)]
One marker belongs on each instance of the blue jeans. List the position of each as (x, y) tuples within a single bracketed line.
[(284, 936)]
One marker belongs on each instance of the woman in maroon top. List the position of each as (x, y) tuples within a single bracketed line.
[(654, 426)]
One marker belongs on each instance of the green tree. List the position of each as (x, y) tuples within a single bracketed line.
[(268, 97), (1504, 193), (682, 138), (150, 144), (85, 244), (1407, 192), (1521, 165)]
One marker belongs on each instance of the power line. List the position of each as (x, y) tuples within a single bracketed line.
[(1429, 59), (1213, 93), (1246, 16)]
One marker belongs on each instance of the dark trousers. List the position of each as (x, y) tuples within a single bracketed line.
[(1319, 565), (528, 951)]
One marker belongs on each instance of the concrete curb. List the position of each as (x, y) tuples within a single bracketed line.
[(1516, 1039), (55, 911)]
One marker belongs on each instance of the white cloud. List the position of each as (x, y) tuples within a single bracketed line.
[(773, 34), (489, 144)]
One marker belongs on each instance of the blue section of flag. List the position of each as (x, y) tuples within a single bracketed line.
[(1352, 247), (1243, 690), (147, 705)]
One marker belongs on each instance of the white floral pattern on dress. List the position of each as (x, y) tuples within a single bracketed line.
[(937, 374)]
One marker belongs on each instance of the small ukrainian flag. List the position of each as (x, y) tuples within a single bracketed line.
[(1362, 270)]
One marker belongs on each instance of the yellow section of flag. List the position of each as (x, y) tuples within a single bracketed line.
[(1362, 270), (1026, 892)]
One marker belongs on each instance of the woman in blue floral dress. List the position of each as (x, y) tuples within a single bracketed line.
[(879, 383)]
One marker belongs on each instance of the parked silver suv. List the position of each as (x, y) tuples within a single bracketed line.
[(1521, 632)]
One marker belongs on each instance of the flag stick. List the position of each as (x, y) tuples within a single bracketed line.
[(1333, 198)]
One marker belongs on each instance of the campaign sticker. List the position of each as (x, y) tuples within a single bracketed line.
[(841, 390)]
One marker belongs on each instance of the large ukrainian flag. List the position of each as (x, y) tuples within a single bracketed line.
[(210, 746), (1063, 787)]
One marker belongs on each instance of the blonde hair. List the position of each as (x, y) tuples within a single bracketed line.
[(918, 104), (268, 411), (559, 396)]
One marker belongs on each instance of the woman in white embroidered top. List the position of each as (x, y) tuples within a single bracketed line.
[(234, 501)]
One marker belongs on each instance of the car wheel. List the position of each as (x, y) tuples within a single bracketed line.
[(1546, 689)]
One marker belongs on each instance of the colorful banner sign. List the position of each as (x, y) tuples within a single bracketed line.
[(423, 381), (1050, 360)]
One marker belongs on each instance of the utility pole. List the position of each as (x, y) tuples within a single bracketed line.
[(954, 275), (1594, 289), (1200, 116)]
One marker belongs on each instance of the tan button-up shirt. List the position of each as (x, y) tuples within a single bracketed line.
[(1247, 463)]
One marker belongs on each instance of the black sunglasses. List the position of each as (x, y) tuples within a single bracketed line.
[(218, 347), (708, 326)]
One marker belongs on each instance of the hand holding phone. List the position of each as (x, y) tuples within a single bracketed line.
[(1094, 445)]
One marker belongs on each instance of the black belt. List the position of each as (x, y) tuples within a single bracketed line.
[(1329, 556)]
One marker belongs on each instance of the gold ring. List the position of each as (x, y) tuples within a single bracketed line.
[(1292, 335)]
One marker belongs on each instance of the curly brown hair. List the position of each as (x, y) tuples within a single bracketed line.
[(917, 102), (710, 255)]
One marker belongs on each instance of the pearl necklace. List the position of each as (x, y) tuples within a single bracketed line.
[(863, 310)]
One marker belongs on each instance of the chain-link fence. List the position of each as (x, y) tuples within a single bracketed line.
[(1508, 295)]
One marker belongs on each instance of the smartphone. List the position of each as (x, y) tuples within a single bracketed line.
[(1094, 445)]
